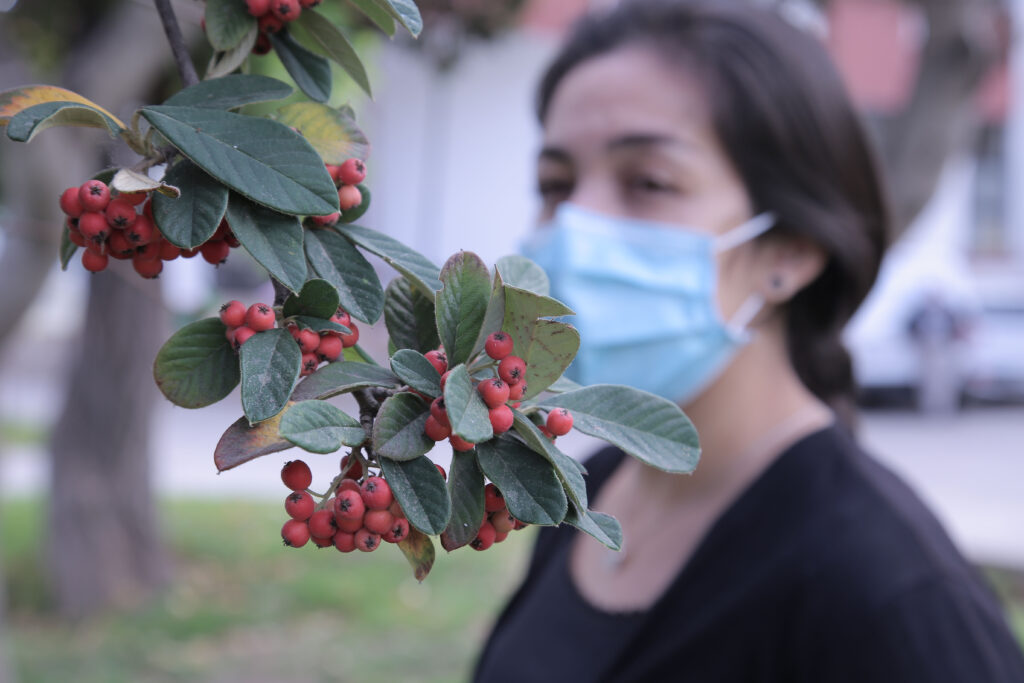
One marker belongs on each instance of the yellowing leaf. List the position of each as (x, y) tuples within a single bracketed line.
[(17, 99)]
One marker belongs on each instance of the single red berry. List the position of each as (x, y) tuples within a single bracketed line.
[(222, 231), (296, 475), (348, 484), (141, 232), (295, 533), (308, 341), (93, 226), (501, 418), (299, 505), (493, 391), (378, 521), (168, 251), (493, 500), (232, 313), (215, 251), (484, 538), (439, 360), (260, 317), (94, 262), (329, 348), (516, 391), (435, 430), (344, 541), (321, 524), (268, 23), (438, 412), (546, 432), (242, 335), (444, 475), (444, 378), (503, 521), (366, 540), (189, 253), (286, 10), (376, 493), (352, 172), (257, 8), (133, 198), (74, 234), (348, 504), (349, 197), (120, 214), (329, 219), (512, 369), (498, 345), (263, 45), (355, 470), (322, 542), (70, 203), (147, 267), (351, 339), (460, 444), (94, 195), (500, 536), (119, 246), (559, 421), (398, 531), (349, 526), (310, 362), (332, 170)]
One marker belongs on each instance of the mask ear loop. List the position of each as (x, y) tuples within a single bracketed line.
[(746, 313), (745, 232)]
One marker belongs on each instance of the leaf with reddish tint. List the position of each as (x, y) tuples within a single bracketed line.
[(419, 550), (242, 443), (18, 99)]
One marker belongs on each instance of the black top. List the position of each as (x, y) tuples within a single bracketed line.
[(826, 569)]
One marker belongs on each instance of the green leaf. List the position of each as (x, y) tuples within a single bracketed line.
[(562, 385), (461, 304), (333, 133), (67, 247), (318, 299), (356, 212), (222, 63), (273, 239), (532, 492), (409, 317), (466, 491), (231, 91), (375, 14), (604, 528), (29, 122), (405, 13), (260, 159), (466, 410), (332, 43), (227, 22), (547, 346), (310, 71), (521, 272), (413, 368), (192, 218), (319, 427), (406, 261), (271, 361), (243, 442), (197, 366), (318, 325), (340, 378), (566, 468), (398, 428), (419, 551), (420, 490), (648, 427), (335, 259)]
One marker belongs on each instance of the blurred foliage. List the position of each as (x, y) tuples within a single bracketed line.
[(479, 18), (42, 31)]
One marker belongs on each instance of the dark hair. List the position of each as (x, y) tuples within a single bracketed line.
[(781, 113)]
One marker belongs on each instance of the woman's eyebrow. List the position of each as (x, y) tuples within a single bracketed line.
[(645, 140), (554, 154)]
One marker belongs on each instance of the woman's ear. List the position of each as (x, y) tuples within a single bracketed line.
[(788, 265)]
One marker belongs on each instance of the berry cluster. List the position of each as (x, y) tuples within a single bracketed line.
[(109, 226), (346, 176), (272, 16), (242, 323), (498, 521)]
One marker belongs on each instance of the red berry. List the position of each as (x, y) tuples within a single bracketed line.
[(147, 267), (189, 253), (120, 214), (435, 430), (348, 525), (215, 251), (329, 348), (263, 45), (439, 360), (546, 432), (94, 195), (516, 391), (329, 219), (93, 226), (268, 23), (321, 524), (344, 541), (299, 505), (332, 170), (74, 234), (296, 475), (348, 504), (444, 475), (349, 197), (260, 317), (355, 470), (444, 378), (503, 521), (322, 542), (308, 341), (342, 318), (494, 392), (232, 313), (501, 418), (498, 345), (512, 369), (242, 335), (493, 500), (119, 246), (133, 198), (460, 444), (438, 412), (378, 521), (376, 493), (257, 8), (168, 252), (70, 203), (352, 172), (286, 10), (484, 538), (141, 232), (398, 531), (559, 421), (348, 484), (367, 541), (94, 262), (520, 525), (500, 536), (310, 362), (351, 339), (396, 510), (295, 533)]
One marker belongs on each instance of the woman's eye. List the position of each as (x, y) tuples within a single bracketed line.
[(554, 189), (645, 183)]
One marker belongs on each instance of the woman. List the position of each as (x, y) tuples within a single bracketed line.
[(715, 217)]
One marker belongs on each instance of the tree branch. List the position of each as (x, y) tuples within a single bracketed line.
[(186, 69)]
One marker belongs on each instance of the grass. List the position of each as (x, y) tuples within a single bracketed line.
[(244, 608)]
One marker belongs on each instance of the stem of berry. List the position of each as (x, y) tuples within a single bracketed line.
[(186, 69)]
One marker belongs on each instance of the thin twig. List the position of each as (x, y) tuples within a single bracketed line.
[(186, 69)]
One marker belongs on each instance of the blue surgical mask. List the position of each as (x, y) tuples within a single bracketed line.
[(644, 297)]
